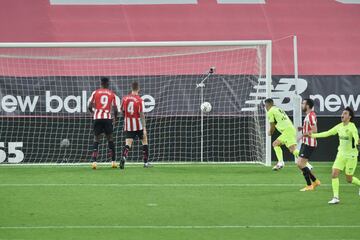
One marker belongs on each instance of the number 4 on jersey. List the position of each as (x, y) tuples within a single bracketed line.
[(130, 108)]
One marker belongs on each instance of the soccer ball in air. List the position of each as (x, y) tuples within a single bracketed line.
[(65, 143), (206, 107)]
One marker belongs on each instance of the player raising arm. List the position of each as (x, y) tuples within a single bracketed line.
[(346, 157), (279, 119), (100, 104), (132, 106)]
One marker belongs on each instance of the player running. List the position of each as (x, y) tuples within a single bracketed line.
[(132, 106), (347, 155), (308, 145), (279, 119), (101, 102)]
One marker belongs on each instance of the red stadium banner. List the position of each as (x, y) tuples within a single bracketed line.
[(327, 30)]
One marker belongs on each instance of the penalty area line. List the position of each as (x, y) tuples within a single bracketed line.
[(177, 227), (159, 185)]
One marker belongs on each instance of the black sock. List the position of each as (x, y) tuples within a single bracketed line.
[(306, 173), (312, 177), (146, 153), (111, 146), (126, 150), (95, 151)]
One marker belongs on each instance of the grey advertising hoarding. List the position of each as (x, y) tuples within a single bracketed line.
[(39, 113), (32, 107), (163, 95), (174, 95), (331, 93)]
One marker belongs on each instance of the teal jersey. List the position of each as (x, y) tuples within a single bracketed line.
[(348, 137), (280, 118)]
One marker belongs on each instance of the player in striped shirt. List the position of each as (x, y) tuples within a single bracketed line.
[(308, 145), (132, 107), (102, 101)]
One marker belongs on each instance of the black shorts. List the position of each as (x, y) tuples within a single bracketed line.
[(134, 134), (103, 126), (306, 151)]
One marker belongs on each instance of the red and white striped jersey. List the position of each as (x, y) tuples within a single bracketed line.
[(103, 100), (132, 105), (309, 122)]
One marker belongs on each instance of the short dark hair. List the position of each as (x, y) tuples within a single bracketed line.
[(135, 86), (105, 81), (351, 112), (269, 101), (309, 102)]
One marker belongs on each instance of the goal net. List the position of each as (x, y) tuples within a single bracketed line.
[(44, 88)]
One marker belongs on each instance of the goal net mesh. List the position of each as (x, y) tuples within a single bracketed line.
[(44, 93)]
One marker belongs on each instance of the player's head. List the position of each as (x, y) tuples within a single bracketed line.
[(105, 82), (307, 104), (135, 88), (268, 103), (347, 115)]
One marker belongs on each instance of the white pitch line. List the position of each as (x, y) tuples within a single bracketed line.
[(178, 227), (124, 185), (159, 165)]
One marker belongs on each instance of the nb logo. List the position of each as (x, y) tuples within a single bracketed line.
[(283, 93)]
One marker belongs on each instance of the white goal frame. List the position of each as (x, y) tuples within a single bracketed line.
[(245, 43)]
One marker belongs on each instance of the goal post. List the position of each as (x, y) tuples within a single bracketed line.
[(297, 111), (44, 88)]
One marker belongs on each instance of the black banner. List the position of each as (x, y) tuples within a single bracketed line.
[(163, 95), (331, 93), (175, 95), (39, 114)]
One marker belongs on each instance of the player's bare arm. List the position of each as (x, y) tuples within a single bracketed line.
[(90, 107), (308, 134), (272, 129), (143, 122)]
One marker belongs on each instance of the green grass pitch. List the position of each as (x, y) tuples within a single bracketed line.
[(173, 202)]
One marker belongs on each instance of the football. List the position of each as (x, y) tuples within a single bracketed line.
[(206, 107), (65, 143)]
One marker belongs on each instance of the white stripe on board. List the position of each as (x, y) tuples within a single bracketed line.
[(120, 2), (176, 227), (155, 2), (349, 1), (241, 1)]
